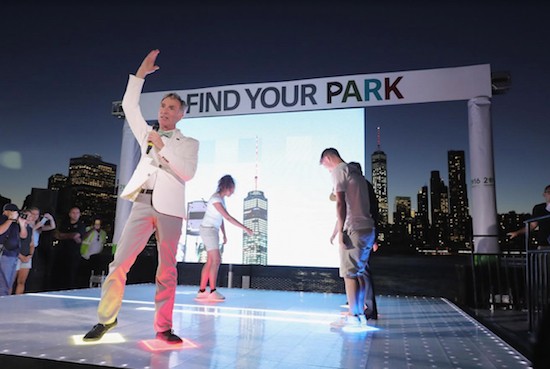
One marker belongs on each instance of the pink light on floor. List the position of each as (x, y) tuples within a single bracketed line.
[(156, 345)]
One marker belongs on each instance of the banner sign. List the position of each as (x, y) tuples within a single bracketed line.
[(362, 90)]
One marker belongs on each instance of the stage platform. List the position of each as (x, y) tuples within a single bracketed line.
[(253, 328)]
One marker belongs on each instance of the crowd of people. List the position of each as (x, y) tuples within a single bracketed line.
[(35, 251)]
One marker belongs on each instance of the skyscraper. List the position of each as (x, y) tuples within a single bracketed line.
[(380, 185), (255, 218), (91, 186), (402, 216), (439, 199), (401, 230), (57, 182), (459, 217), (421, 219)]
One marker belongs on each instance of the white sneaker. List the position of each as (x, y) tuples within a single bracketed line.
[(216, 296), (363, 320), (346, 321), (202, 295)]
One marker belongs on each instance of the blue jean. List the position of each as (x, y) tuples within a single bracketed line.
[(8, 266)]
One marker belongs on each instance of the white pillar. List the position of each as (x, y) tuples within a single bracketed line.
[(483, 199), (130, 154)]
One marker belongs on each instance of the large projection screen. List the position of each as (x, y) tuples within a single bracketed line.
[(277, 154)]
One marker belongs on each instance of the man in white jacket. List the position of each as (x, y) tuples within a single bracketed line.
[(157, 189)]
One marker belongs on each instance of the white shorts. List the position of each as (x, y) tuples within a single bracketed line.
[(21, 265), (210, 238)]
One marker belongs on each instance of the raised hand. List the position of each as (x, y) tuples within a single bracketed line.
[(148, 65)]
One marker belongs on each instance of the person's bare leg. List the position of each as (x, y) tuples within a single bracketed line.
[(21, 280), (352, 292), (205, 273), (214, 258)]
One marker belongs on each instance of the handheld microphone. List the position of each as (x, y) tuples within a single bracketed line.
[(150, 144)]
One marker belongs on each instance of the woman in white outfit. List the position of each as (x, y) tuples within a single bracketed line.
[(210, 227)]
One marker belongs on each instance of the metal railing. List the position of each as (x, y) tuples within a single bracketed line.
[(537, 275), (538, 285), (518, 280), (499, 281)]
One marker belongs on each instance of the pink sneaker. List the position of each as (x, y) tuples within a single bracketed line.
[(347, 321), (202, 295), (216, 296)]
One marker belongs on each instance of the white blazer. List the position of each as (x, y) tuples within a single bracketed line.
[(174, 165)]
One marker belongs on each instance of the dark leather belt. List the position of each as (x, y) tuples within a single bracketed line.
[(147, 192)]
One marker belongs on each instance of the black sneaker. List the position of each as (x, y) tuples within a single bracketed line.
[(169, 337), (371, 315), (98, 331)]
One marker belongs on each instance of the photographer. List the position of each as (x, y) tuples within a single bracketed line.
[(29, 245), (12, 229), (43, 259)]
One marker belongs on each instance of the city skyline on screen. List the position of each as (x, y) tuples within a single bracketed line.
[(300, 216)]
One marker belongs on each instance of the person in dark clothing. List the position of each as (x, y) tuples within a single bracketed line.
[(70, 234), (12, 229), (371, 313), (541, 227)]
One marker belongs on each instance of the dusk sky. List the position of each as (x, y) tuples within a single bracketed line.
[(63, 66)]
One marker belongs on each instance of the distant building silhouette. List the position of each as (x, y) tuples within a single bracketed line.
[(401, 230), (403, 215), (91, 186), (459, 219), (421, 222), (439, 199), (42, 198), (442, 221), (380, 185), (57, 181)]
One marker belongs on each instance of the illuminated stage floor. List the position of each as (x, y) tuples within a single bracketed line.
[(252, 329)]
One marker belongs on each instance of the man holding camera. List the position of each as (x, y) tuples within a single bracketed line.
[(29, 245), (12, 229)]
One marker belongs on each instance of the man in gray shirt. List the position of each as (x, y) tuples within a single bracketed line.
[(356, 235)]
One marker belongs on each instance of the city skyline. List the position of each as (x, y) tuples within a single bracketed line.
[(64, 75), (390, 206), (448, 228)]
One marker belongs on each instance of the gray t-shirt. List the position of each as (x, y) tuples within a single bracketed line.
[(349, 180)]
